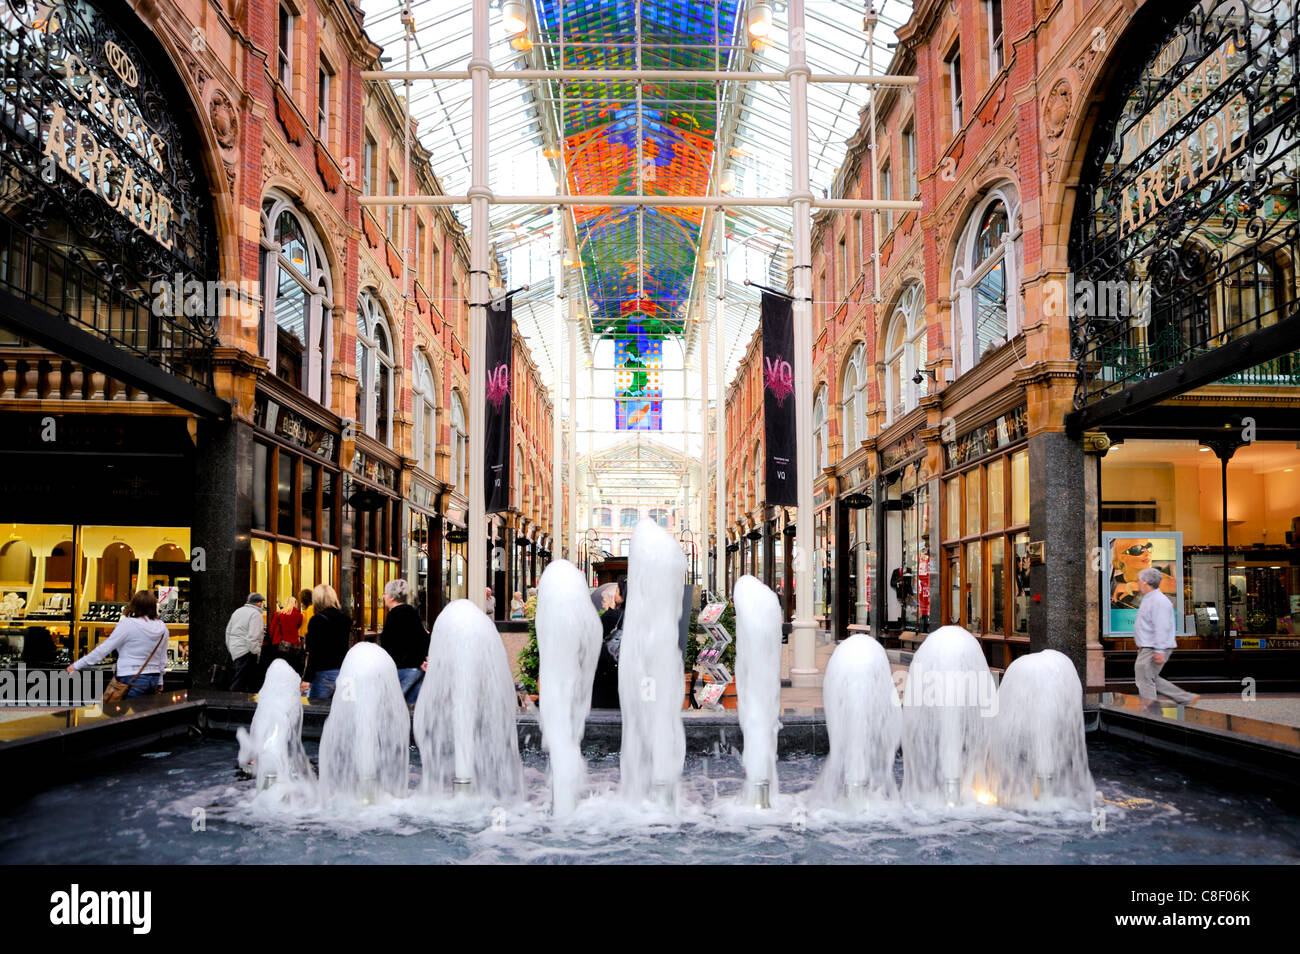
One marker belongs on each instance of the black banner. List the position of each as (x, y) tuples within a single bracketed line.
[(781, 484), (496, 407)]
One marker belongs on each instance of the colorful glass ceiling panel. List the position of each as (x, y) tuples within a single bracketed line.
[(619, 140)]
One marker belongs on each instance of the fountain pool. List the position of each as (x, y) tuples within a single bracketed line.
[(187, 805)]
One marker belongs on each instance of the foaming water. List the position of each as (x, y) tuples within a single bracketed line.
[(864, 723), (568, 643), (271, 748), (465, 716), (1153, 813), (758, 683), (949, 703), (650, 672), (1038, 755), (365, 744)]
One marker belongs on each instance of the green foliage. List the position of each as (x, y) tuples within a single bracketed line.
[(530, 659)]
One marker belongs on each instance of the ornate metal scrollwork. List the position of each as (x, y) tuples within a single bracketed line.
[(1192, 194)]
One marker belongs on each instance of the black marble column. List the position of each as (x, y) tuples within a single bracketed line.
[(1057, 518), (221, 564)]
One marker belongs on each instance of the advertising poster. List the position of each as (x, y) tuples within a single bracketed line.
[(1125, 554)]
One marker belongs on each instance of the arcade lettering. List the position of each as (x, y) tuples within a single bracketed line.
[(1216, 141), (102, 170)]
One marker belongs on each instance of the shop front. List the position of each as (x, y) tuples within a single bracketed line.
[(424, 542), (985, 533), (857, 558), (377, 541), (901, 508), (1192, 400)]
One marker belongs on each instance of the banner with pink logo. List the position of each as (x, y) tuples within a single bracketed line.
[(781, 483), (496, 406)]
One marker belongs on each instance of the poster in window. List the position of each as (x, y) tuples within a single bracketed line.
[(1125, 554)]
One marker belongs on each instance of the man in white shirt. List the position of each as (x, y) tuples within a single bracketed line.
[(1153, 631), (244, 640)]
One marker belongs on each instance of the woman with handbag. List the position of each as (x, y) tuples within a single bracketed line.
[(137, 639)]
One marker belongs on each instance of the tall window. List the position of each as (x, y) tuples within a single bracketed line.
[(605, 517), (627, 518), (905, 354), (426, 413), (887, 192), (324, 82), (284, 47), (853, 406), (954, 88), (909, 151), (986, 277), (374, 370), (821, 431), (394, 212), (758, 473), (862, 239), (459, 444), (997, 58), (843, 262), (660, 516), (370, 163), (297, 297)]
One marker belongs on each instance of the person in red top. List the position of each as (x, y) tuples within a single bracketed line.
[(284, 630)]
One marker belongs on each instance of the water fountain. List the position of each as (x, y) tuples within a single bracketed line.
[(1038, 754), (758, 685), (568, 642), (650, 684), (465, 716), (365, 744), (864, 722), (271, 748), (948, 705)]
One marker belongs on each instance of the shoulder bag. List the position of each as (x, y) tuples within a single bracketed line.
[(116, 690)]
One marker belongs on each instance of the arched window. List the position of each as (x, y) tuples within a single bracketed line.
[(459, 444), (374, 356), (605, 517), (660, 516), (758, 472), (853, 407), (625, 546), (426, 413), (297, 298), (986, 277), (627, 517), (821, 431), (905, 354)]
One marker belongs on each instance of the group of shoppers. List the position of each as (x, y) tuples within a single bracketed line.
[(325, 631)]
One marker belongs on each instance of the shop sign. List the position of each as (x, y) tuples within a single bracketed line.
[(1000, 432), (87, 116), (375, 471), (901, 451), (294, 428)]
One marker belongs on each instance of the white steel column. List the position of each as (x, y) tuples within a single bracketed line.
[(573, 437), (803, 672), (702, 494), (479, 193), (719, 399), (557, 365)]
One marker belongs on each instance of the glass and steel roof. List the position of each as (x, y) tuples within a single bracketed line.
[(635, 270)]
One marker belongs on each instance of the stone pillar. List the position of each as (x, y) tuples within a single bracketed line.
[(220, 553), (1095, 445), (1057, 516)]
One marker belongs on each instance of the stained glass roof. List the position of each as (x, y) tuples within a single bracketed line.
[(635, 271)]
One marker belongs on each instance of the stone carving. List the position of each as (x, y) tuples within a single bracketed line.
[(1056, 111), (225, 121)]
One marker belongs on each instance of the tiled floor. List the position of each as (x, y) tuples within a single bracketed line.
[(1282, 710)]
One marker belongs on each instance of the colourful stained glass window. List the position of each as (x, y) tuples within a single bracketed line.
[(639, 361)]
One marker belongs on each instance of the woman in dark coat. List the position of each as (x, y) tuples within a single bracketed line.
[(609, 603), (328, 635)]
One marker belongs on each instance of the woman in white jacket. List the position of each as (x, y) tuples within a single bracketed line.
[(139, 640)]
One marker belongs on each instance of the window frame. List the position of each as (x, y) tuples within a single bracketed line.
[(955, 103), (967, 273), (997, 36), (373, 327), (286, 29), (900, 359), (853, 399), (459, 444), (317, 285), (424, 398)]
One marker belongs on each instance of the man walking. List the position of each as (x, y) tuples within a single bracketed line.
[(244, 640), (1153, 631)]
